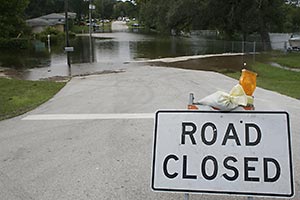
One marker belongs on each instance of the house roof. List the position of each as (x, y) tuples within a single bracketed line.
[(58, 16), (50, 19), (53, 16), (71, 15), (37, 22)]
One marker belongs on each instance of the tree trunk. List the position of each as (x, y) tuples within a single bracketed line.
[(264, 34), (265, 38)]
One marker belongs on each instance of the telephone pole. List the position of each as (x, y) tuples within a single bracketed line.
[(67, 35)]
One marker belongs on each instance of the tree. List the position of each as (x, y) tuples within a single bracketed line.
[(181, 15), (12, 17), (232, 18), (80, 7), (245, 17), (269, 15), (292, 22), (221, 15), (150, 12), (37, 8), (104, 8), (125, 9), (164, 15), (172, 15)]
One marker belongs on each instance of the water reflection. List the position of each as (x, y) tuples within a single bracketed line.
[(112, 50)]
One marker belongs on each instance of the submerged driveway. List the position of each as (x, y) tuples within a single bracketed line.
[(93, 140)]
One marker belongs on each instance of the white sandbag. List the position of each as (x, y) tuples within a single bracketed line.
[(224, 101)]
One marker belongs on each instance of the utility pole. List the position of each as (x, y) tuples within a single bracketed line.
[(67, 35), (90, 30), (102, 15)]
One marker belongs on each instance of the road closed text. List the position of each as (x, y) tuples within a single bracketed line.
[(209, 165), (244, 153)]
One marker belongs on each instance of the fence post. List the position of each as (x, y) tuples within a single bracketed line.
[(285, 47), (254, 51), (243, 46)]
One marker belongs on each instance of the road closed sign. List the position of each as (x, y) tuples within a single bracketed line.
[(243, 153)]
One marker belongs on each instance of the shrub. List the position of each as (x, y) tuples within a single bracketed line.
[(56, 35), (14, 43)]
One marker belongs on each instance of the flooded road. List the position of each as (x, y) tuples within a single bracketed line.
[(113, 51)]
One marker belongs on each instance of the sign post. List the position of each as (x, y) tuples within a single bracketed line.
[(238, 152)]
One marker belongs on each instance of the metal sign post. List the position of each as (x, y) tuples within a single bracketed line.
[(67, 33), (91, 7), (191, 106)]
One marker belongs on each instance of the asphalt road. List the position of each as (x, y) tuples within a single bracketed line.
[(119, 26), (109, 156)]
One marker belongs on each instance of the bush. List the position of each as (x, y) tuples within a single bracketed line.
[(80, 29), (14, 43), (55, 35)]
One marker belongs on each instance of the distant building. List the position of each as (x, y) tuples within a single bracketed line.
[(37, 24), (56, 20)]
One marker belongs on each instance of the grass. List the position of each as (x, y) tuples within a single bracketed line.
[(276, 79), (20, 96), (291, 60), (80, 29)]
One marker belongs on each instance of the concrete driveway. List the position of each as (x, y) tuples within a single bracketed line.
[(103, 148)]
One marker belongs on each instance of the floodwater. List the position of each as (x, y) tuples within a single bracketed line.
[(113, 51)]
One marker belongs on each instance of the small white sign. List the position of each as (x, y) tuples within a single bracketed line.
[(243, 153), (69, 49)]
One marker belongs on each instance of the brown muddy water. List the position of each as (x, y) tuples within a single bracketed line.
[(217, 63)]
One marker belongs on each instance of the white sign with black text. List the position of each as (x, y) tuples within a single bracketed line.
[(244, 153)]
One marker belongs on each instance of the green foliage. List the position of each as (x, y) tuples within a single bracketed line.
[(14, 43), (37, 8), (230, 17), (80, 7), (80, 29), (153, 14), (292, 22), (11, 17), (181, 15), (246, 17), (19, 96), (104, 8), (56, 35), (125, 9)]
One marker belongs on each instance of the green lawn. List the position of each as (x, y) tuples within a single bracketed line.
[(280, 80), (288, 60), (80, 29), (20, 96)]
